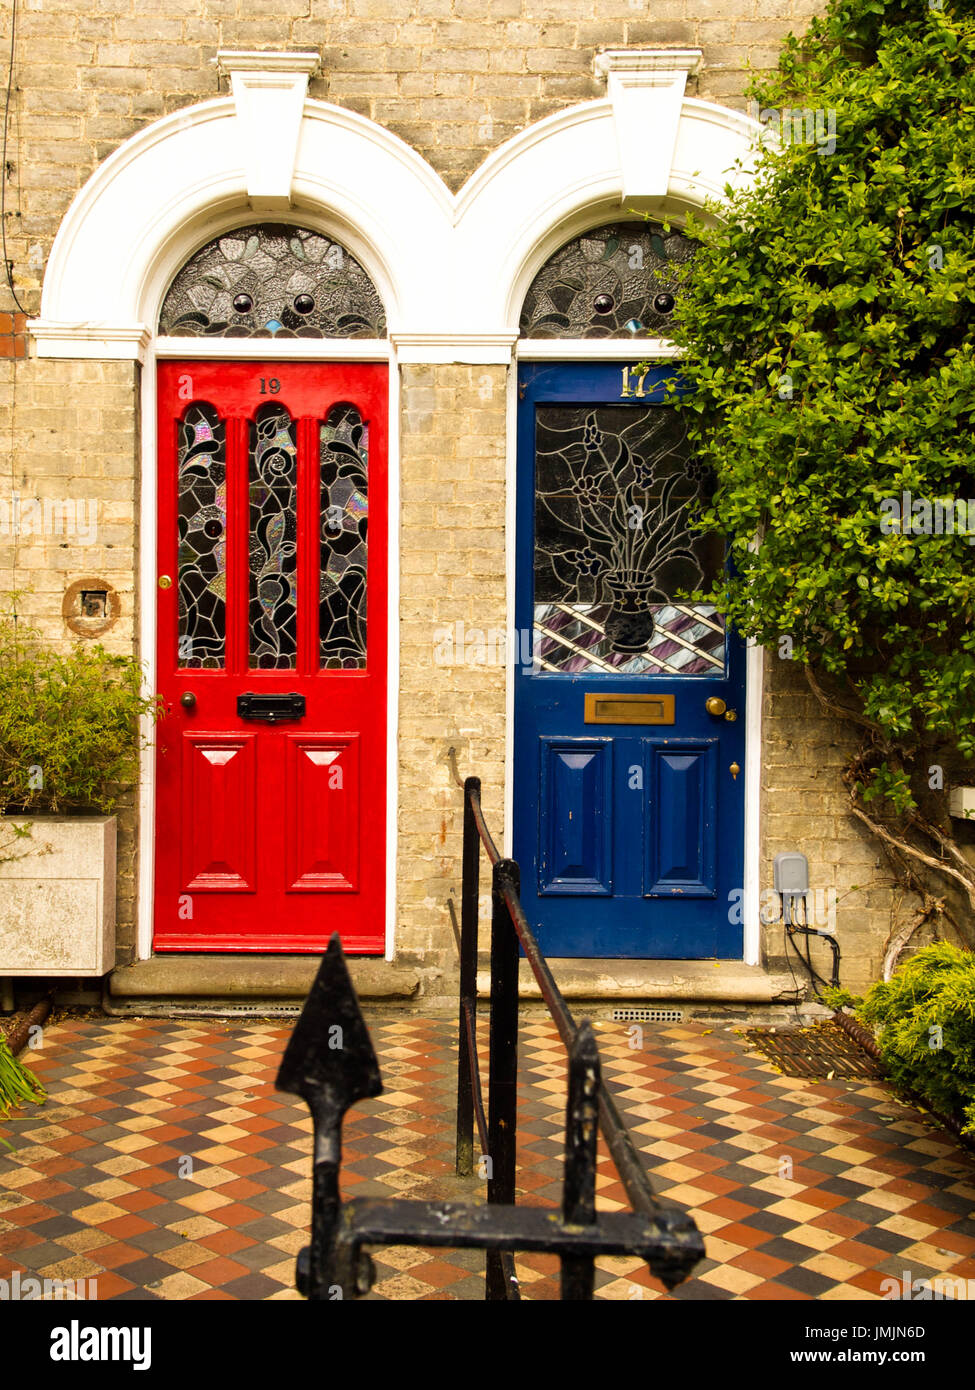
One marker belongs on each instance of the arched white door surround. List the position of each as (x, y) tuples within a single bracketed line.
[(451, 268)]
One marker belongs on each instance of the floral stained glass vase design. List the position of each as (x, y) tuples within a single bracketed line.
[(615, 556)]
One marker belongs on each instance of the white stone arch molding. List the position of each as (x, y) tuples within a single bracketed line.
[(451, 269), (172, 187), (644, 148)]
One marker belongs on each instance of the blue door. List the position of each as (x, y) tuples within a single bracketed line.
[(629, 701)]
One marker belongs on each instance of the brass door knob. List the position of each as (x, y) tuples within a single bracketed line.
[(188, 699), (715, 705)]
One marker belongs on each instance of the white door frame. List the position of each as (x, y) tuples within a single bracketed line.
[(613, 350), (240, 349)]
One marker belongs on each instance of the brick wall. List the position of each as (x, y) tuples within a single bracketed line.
[(804, 808), (453, 78), (68, 458), (13, 335), (452, 570)]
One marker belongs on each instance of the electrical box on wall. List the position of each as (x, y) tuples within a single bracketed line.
[(790, 874)]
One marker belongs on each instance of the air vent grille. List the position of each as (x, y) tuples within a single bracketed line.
[(648, 1015)]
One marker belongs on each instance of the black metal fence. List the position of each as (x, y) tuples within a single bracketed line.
[(331, 1063), (681, 1244)]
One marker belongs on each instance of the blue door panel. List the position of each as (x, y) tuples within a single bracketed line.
[(629, 836), (575, 817), (682, 817)]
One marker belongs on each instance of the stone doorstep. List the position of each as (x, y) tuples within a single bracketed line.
[(253, 977), (708, 981), (206, 976)]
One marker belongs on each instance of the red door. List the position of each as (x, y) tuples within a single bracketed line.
[(271, 760)]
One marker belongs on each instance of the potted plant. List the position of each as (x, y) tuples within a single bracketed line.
[(69, 748)]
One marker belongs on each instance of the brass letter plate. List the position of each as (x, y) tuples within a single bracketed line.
[(629, 709)]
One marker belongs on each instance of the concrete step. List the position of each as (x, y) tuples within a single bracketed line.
[(257, 977), (210, 976), (706, 981)]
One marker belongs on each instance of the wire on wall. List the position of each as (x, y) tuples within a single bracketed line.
[(8, 268)]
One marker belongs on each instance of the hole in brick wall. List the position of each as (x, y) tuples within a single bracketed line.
[(90, 607), (94, 603)]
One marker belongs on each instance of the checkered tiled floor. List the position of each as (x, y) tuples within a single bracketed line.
[(164, 1165)]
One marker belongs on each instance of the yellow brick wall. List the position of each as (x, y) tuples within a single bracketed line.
[(69, 434), (452, 570), (453, 78), (804, 808)]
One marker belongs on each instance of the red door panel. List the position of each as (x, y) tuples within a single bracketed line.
[(272, 584), (219, 814), (323, 814)]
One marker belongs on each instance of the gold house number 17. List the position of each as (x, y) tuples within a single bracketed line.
[(640, 379)]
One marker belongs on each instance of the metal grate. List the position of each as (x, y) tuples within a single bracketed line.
[(648, 1015), (218, 1008), (824, 1051)]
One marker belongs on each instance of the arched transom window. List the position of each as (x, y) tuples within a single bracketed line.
[(617, 281), (272, 280)]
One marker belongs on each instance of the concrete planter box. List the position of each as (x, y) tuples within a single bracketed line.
[(57, 908)]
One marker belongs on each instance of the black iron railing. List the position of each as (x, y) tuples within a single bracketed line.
[(331, 1063), (498, 1136)]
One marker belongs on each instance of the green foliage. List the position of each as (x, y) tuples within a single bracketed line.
[(18, 1085), (69, 724), (829, 333), (835, 998), (925, 1020)]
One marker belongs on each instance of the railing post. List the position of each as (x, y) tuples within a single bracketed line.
[(581, 1129), (503, 1080), (471, 861)]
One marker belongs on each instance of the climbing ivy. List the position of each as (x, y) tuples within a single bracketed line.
[(829, 337)]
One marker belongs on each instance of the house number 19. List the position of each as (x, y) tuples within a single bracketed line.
[(270, 385)]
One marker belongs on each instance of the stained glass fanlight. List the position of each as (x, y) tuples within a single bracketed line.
[(617, 281), (271, 280)]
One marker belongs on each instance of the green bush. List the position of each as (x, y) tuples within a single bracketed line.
[(69, 724), (924, 1016)]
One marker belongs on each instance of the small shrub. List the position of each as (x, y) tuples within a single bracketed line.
[(835, 998), (925, 1021), (69, 724)]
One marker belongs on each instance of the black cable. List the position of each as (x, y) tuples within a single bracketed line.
[(3, 162), (795, 982), (790, 941), (791, 928), (805, 928), (831, 942)]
